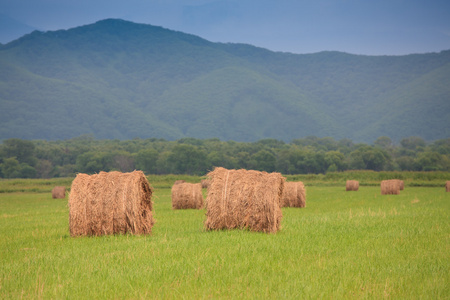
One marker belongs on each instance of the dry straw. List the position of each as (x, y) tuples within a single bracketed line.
[(110, 203), (179, 181), (447, 186), (294, 194), (244, 199), (59, 192), (205, 183), (401, 184), (352, 185), (187, 195), (390, 187)]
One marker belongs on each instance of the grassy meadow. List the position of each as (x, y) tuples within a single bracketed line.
[(342, 245)]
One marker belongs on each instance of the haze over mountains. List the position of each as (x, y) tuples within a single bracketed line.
[(117, 79)]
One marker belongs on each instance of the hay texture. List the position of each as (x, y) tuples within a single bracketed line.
[(401, 184), (110, 203), (447, 186), (205, 183), (352, 185), (244, 199), (179, 181), (390, 187), (59, 192), (187, 195), (294, 194)]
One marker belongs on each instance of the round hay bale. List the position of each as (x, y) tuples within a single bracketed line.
[(352, 185), (179, 181), (205, 183), (447, 186), (294, 194), (110, 203), (244, 199), (390, 187), (59, 192), (401, 184), (187, 195)]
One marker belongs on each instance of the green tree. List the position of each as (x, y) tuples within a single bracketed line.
[(264, 161), (146, 160), (187, 159)]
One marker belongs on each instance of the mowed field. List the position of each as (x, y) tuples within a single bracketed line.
[(341, 245)]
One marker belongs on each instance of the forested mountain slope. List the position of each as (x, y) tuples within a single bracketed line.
[(117, 79)]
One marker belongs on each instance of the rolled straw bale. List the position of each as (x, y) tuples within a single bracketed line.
[(110, 203), (401, 184), (179, 181), (59, 192), (205, 183), (244, 199), (447, 186), (187, 195), (390, 187), (294, 194), (352, 185)]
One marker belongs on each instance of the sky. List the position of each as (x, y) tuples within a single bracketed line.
[(368, 27)]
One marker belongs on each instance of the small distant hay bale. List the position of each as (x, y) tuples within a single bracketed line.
[(447, 186), (205, 183), (187, 195), (401, 184), (352, 185), (390, 187), (294, 194), (179, 181), (244, 199), (110, 203), (59, 192)]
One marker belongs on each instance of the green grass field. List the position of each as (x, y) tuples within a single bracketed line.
[(342, 245)]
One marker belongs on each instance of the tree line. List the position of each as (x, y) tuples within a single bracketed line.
[(46, 159)]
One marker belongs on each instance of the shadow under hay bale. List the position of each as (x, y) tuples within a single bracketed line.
[(447, 186), (187, 195), (110, 203), (244, 199), (294, 194), (352, 185), (59, 192), (390, 187)]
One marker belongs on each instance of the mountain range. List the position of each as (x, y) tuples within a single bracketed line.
[(116, 79)]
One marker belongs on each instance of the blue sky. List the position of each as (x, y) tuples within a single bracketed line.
[(371, 27)]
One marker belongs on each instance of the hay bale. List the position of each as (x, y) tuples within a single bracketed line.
[(179, 181), (447, 186), (401, 184), (352, 185), (244, 199), (187, 195), (294, 194), (205, 183), (59, 192), (110, 203), (390, 187)]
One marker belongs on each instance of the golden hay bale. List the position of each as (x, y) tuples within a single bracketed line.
[(187, 195), (447, 186), (59, 192), (294, 194), (205, 183), (179, 181), (401, 184), (244, 199), (352, 185), (390, 187), (110, 203)]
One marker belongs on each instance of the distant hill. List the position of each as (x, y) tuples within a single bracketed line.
[(11, 29), (119, 80)]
